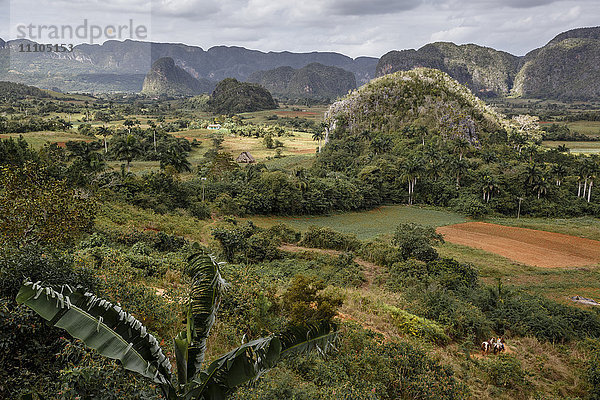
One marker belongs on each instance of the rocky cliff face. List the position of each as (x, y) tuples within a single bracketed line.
[(315, 81), (567, 68), (487, 72), (166, 78)]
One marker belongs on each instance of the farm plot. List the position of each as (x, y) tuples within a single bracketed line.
[(527, 246)]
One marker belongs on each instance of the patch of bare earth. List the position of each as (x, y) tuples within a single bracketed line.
[(527, 246)]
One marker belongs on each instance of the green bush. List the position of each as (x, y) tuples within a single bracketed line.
[(416, 241), (505, 371), (453, 275), (462, 319), (592, 372), (413, 325), (471, 206), (327, 238), (199, 209), (283, 233), (380, 253), (305, 301), (261, 247), (339, 271), (525, 314)]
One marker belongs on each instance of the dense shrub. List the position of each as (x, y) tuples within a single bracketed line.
[(524, 314), (416, 241), (365, 367), (305, 301), (452, 274), (199, 209), (327, 238), (261, 247), (410, 324), (380, 253), (462, 319), (592, 372), (505, 371), (339, 270)]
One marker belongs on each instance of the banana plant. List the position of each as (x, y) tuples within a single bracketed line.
[(116, 334)]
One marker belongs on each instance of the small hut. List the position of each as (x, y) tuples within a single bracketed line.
[(245, 158)]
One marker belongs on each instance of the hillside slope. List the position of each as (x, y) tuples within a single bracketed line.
[(420, 97)]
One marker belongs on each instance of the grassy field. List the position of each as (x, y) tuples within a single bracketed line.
[(576, 147), (368, 224), (314, 113), (587, 227), (39, 139), (590, 128), (558, 284)]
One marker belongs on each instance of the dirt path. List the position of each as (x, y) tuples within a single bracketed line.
[(527, 246), (369, 269)]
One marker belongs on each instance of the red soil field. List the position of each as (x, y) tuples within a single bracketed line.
[(527, 246)]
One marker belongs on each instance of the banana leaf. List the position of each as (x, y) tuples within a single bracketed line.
[(254, 358), (207, 289), (102, 326)]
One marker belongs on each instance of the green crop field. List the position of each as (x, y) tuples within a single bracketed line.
[(38, 139), (368, 224), (577, 147), (590, 128)]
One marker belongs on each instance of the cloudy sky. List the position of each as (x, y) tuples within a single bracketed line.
[(352, 27)]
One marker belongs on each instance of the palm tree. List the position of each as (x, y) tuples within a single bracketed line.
[(104, 132), (459, 168), (411, 171), (541, 186), (584, 167), (536, 180), (127, 148), (461, 146), (559, 172), (592, 169), (128, 123), (490, 186), (318, 135), (116, 334), (176, 157)]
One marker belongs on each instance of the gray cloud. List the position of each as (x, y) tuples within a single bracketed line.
[(351, 27), (372, 7)]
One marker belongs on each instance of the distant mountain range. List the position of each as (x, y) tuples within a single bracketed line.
[(133, 59), (568, 67)]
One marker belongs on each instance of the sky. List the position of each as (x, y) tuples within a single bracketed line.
[(352, 27)]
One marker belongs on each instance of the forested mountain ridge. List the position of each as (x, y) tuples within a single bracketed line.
[(135, 58), (312, 81), (487, 72), (567, 68), (166, 78)]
